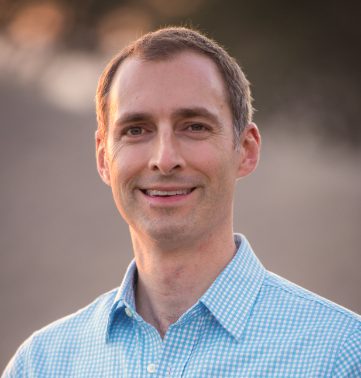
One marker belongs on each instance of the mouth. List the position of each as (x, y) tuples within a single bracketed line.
[(167, 193)]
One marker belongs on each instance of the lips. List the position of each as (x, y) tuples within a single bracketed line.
[(167, 193)]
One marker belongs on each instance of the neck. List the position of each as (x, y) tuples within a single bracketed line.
[(172, 279)]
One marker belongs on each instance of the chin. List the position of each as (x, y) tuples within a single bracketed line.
[(166, 233)]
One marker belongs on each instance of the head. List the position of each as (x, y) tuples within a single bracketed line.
[(166, 139), (164, 44)]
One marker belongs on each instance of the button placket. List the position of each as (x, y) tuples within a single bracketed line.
[(151, 368), (128, 312), (176, 353), (169, 371), (151, 349)]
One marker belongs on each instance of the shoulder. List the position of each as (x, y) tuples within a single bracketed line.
[(291, 297), (348, 362), (96, 313), (310, 322), (63, 334)]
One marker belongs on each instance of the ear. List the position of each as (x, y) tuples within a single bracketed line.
[(101, 157), (249, 150)]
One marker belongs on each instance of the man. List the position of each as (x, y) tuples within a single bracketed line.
[(174, 134)]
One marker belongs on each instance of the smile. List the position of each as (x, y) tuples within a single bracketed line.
[(167, 193)]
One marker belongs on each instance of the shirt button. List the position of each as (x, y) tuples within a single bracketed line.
[(128, 311), (151, 368)]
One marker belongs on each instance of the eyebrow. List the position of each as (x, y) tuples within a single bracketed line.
[(178, 113), (133, 117), (196, 112)]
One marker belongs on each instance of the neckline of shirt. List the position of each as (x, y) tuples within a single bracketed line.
[(244, 274)]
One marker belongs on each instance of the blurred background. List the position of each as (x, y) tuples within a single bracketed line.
[(62, 242)]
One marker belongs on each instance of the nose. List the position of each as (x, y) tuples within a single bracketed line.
[(166, 154)]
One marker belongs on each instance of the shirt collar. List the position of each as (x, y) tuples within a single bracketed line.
[(125, 294), (229, 299), (232, 295), (124, 298)]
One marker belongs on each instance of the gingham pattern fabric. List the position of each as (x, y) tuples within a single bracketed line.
[(250, 323)]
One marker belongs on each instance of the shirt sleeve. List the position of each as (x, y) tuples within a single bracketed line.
[(348, 362)]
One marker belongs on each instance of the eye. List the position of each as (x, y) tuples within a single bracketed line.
[(197, 127), (134, 131)]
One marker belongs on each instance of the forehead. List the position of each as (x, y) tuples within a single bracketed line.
[(185, 79)]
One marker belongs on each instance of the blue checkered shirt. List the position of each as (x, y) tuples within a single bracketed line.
[(249, 323)]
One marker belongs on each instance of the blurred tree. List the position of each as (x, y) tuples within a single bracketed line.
[(302, 57)]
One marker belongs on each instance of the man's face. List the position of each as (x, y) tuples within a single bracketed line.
[(169, 154)]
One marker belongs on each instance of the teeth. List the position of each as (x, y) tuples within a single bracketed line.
[(154, 193)]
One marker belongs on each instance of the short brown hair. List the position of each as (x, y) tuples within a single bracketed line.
[(165, 43)]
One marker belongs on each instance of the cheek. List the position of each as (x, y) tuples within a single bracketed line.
[(216, 163), (126, 166)]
